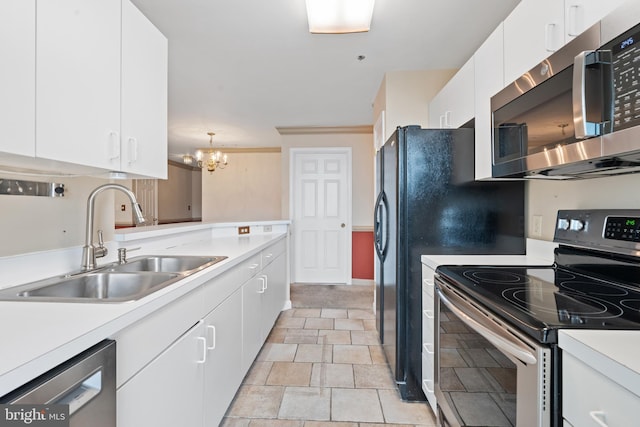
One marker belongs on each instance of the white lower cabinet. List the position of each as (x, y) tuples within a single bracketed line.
[(428, 336), (168, 391), (252, 292), (592, 399), (223, 367)]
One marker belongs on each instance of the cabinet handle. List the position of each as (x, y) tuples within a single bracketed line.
[(428, 314), (425, 384), (548, 38), (573, 20), (114, 145), (267, 256), (428, 282), (263, 287), (253, 266), (212, 329), (428, 348), (203, 340), (133, 149), (598, 417), (447, 119), (442, 122), (266, 281)]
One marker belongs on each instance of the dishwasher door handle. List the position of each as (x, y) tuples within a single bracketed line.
[(83, 393)]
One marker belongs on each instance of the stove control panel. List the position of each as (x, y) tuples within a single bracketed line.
[(612, 230), (622, 228)]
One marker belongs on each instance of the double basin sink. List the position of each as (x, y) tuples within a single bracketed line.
[(115, 282)]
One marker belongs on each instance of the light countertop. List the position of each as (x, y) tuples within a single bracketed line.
[(38, 336)]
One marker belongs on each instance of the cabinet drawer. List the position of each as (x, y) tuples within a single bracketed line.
[(272, 252), (592, 399), (428, 381), (428, 277)]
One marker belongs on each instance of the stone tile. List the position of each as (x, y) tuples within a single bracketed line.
[(314, 353), (235, 422), (332, 375), (477, 379), (290, 322), (301, 336), (377, 355), (373, 376), (395, 425), (306, 312), (334, 337), (356, 354), (275, 352), (334, 313), (329, 424), (359, 405), (253, 401), (397, 411), (364, 337), (258, 373), (277, 335), (286, 313), (290, 373), (450, 358), (369, 324), (478, 409), (275, 423), (361, 314), (306, 403), (317, 323), (349, 325)]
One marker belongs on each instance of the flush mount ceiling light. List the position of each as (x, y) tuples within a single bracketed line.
[(210, 159), (339, 16)]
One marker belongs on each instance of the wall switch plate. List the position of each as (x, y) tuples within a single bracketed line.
[(536, 226), (244, 229)]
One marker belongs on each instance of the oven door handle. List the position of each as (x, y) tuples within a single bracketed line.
[(501, 338)]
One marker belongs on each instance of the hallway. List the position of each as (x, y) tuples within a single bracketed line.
[(322, 365)]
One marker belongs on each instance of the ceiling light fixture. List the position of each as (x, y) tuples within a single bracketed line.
[(210, 159), (339, 16)]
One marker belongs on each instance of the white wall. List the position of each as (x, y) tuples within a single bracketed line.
[(249, 188), (546, 197), (32, 224), (362, 169), (175, 195)]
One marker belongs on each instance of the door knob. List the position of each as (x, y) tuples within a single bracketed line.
[(343, 225)]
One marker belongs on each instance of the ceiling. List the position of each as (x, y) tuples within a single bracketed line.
[(242, 68)]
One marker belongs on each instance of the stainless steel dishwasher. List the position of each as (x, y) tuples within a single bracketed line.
[(85, 383)]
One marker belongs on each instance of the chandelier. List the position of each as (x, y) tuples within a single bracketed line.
[(210, 159)]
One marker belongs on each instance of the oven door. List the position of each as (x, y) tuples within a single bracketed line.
[(487, 374)]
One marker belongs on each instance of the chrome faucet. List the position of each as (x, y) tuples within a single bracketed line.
[(89, 251)]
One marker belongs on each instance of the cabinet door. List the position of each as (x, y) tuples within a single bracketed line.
[(17, 76), (144, 95), (223, 371), (489, 80), (168, 391), (275, 295), (453, 105), (78, 81), (581, 14), (532, 32), (252, 292)]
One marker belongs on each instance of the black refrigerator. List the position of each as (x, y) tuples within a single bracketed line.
[(428, 203)]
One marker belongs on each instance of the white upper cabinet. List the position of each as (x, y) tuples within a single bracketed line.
[(489, 79), (581, 14), (144, 96), (78, 82), (17, 76), (453, 105), (533, 31)]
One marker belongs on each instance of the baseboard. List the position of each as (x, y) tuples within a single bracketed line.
[(362, 282)]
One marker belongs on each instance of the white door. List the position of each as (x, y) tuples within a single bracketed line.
[(321, 212), (146, 191)]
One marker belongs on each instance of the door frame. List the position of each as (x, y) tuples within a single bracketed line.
[(348, 248)]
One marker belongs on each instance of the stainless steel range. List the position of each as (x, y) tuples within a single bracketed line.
[(498, 362)]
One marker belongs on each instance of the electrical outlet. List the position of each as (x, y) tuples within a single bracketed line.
[(536, 226), (243, 230), (266, 228)]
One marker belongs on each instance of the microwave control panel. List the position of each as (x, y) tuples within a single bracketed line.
[(626, 79)]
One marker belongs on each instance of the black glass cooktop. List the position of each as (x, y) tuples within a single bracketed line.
[(541, 300)]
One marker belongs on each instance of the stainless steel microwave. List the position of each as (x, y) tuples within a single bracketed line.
[(577, 113)]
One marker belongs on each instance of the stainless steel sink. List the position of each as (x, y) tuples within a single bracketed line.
[(130, 281), (166, 264)]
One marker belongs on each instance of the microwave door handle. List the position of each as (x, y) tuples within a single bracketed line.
[(502, 341), (580, 123)]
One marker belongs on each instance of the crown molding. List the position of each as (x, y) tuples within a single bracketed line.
[(320, 130)]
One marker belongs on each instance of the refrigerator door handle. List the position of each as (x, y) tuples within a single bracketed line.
[(384, 232), (377, 235)]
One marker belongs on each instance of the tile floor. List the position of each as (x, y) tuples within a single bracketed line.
[(323, 366)]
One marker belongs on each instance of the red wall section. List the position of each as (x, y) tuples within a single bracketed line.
[(362, 255)]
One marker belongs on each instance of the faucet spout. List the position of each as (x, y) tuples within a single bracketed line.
[(89, 251)]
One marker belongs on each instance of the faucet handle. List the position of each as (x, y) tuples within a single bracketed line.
[(101, 250)]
